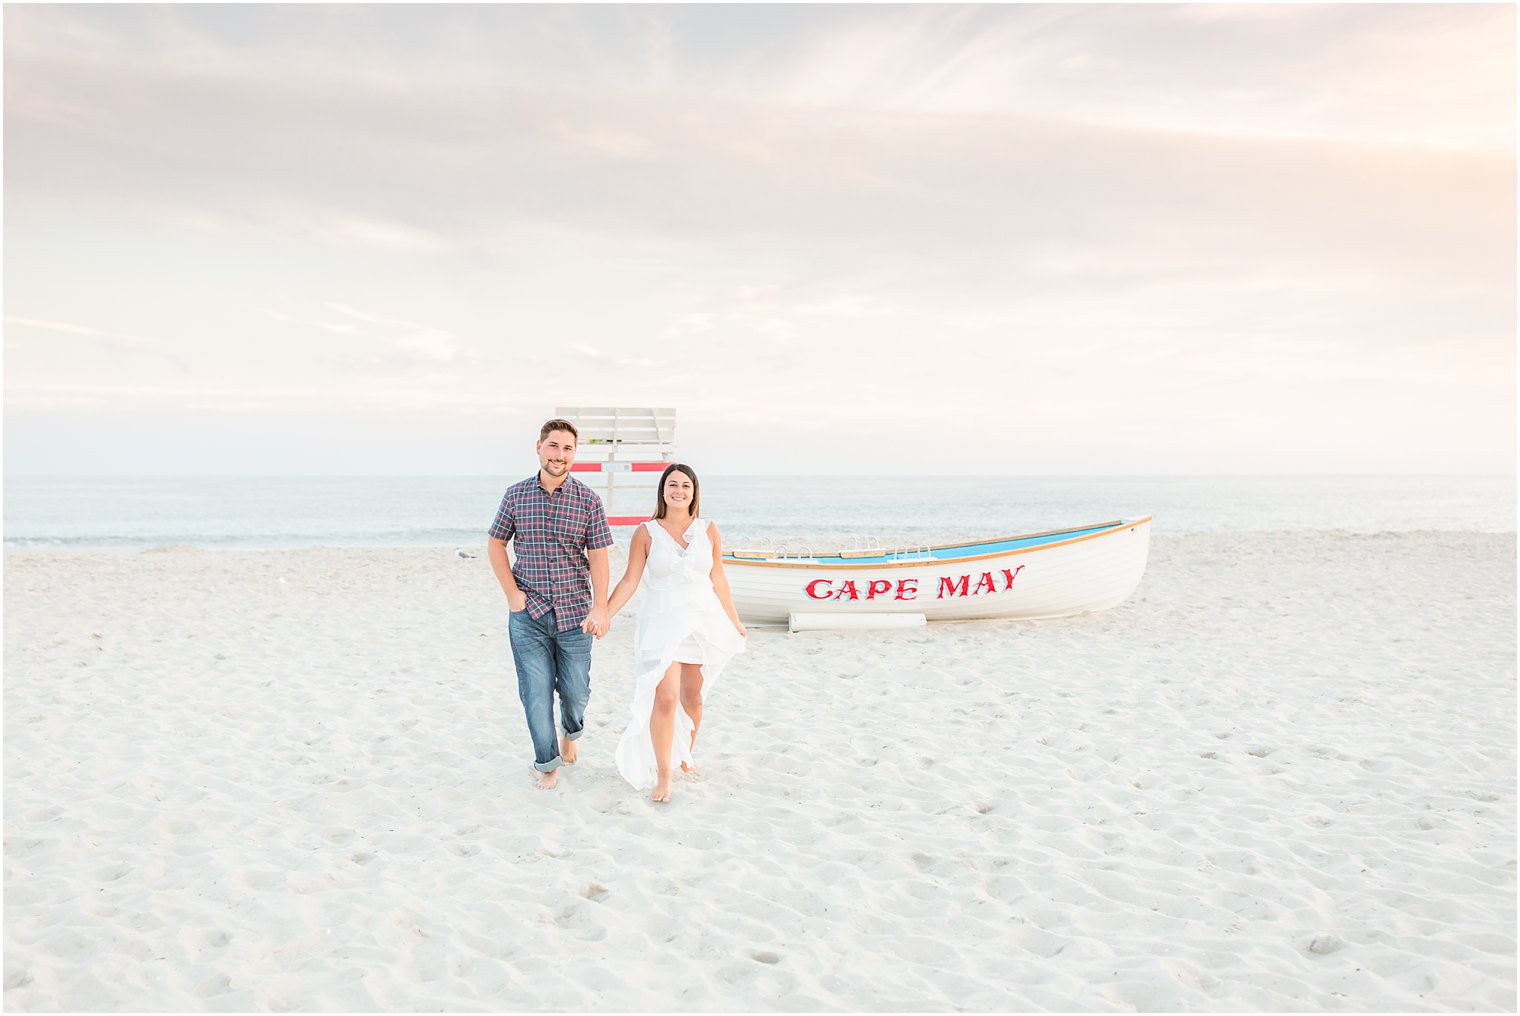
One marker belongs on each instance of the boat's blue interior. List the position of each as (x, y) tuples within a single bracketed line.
[(969, 550)]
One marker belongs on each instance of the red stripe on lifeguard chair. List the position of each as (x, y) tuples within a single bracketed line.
[(617, 467), (627, 520)]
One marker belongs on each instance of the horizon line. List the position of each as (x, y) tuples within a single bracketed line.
[(8, 478)]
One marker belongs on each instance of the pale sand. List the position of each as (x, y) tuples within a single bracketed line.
[(1281, 777)]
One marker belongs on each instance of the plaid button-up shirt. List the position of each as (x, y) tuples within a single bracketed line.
[(552, 533)]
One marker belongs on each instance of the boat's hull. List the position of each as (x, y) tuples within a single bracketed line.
[(1092, 571)]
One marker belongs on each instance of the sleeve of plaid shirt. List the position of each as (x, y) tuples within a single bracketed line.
[(504, 527), (597, 533)]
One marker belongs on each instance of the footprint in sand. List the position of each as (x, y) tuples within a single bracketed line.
[(1324, 945), (213, 986)]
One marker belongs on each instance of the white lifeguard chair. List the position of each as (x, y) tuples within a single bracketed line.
[(620, 454)]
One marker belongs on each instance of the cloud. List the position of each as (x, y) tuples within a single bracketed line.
[(1415, 73), (1102, 203), (851, 305), (423, 341), (107, 340), (388, 236), (438, 393), (601, 140), (899, 203)]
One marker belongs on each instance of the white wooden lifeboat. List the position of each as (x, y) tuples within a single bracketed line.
[(1037, 575)]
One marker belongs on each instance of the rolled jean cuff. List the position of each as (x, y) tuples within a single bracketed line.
[(549, 766), (574, 735)]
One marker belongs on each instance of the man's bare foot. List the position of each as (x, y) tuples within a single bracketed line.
[(568, 750), (546, 781), (690, 772), (661, 789)]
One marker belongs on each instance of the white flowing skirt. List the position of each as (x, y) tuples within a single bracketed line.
[(687, 629)]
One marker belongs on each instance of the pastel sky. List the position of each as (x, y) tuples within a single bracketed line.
[(864, 239)]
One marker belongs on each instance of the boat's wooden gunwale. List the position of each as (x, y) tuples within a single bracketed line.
[(1115, 526)]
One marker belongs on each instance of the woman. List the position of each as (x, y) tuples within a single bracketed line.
[(687, 631)]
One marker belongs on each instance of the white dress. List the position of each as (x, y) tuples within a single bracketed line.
[(680, 619)]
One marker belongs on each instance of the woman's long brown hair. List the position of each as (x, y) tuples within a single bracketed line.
[(696, 489)]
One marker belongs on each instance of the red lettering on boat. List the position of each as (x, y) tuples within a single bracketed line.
[(812, 589), (877, 586), (1009, 576), (947, 584), (907, 589), (985, 582), (847, 589)]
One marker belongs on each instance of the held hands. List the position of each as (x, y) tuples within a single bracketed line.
[(597, 622)]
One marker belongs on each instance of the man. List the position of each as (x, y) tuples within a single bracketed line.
[(560, 527)]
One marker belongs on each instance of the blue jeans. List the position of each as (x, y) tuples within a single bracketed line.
[(550, 661)]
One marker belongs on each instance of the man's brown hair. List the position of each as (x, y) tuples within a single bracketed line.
[(565, 425)]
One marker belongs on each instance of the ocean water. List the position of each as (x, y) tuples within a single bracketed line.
[(271, 512)]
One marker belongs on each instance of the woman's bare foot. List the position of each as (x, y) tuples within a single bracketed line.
[(568, 751), (546, 781), (661, 789), (688, 771)]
